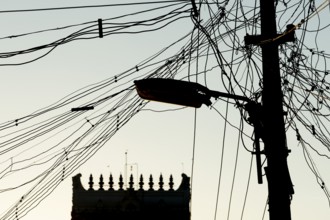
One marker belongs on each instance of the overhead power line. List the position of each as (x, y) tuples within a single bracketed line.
[(214, 44), (90, 6)]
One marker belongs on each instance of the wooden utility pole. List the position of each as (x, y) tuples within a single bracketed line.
[(279, 182), (277, 172)]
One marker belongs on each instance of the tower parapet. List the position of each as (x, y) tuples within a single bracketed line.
[(109, 201)]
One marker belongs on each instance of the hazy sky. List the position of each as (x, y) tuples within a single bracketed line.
[(159, 139)]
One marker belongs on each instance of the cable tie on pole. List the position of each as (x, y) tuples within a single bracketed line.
[(99, 21)]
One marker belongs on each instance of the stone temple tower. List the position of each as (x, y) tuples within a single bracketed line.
[(123, 203)]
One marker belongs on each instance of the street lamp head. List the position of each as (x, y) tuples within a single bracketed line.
[(173, 91)]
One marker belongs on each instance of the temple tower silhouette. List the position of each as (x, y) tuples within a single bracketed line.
[(124, 203)]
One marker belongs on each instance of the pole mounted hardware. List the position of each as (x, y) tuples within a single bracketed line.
[(256, 119), (287, 36)]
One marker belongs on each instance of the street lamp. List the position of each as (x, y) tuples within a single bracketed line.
[(179, 92), (193, 94)]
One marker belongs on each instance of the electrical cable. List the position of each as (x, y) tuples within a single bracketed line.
[(91, 6), (214, 45)]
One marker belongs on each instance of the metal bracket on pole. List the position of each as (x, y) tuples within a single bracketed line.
[(258, 157), (287, 36), (255, 112)]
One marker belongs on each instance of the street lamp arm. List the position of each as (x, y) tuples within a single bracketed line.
[(217, 94)]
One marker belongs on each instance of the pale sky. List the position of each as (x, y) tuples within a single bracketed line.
[(161, 138)]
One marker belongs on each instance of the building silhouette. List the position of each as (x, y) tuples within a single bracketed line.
[(125, 203)]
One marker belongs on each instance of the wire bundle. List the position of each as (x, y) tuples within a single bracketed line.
[(214, 49)]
